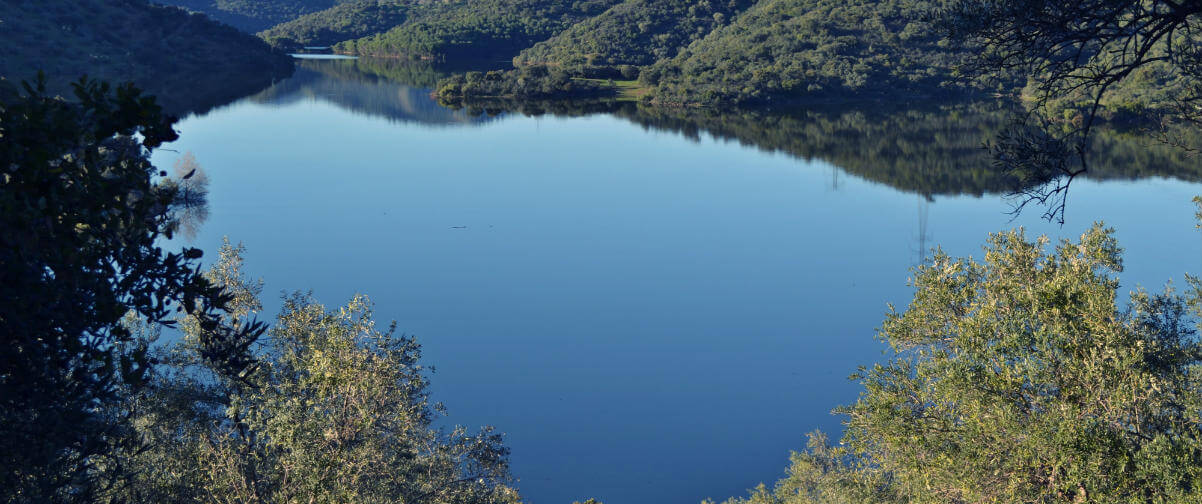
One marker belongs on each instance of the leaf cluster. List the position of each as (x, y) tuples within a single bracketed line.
[(337, 411), (1021, 379), (81, 210)]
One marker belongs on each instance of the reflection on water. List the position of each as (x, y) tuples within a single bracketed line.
[(397, 90), (317, 56), (654, 306), (929, 150)]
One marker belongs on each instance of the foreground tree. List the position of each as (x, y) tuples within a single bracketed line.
[(823, 474), (337, 411), (1020, 379), (81, 210)]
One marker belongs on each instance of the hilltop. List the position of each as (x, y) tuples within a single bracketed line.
[(698, 52), (345, 21), (794, 49), (187, 60), (482, 29), (634, 32), (252, 15)]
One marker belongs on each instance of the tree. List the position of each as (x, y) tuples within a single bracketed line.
[(80, 215), (1020, 379), (1079, 47), (338, 411), (1078, 54), (823, 474)]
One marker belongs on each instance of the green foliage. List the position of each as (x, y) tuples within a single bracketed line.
[(695, 51), (822, 474), (795, 49), (479, 30), (531, 82), (338, 411), (1129, 55), (346, 21), (253, 15), (744, 52), (1019, 379), (634, 32), (162, 50), (1084, 61), (82, 211)]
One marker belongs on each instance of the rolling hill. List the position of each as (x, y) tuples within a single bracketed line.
[(187, 60)]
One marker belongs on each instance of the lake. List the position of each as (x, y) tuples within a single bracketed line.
[(653, 306)]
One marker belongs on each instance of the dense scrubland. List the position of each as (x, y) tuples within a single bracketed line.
[(253, 15), (676, 52)]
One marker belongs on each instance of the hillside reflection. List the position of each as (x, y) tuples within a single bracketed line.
[(391, 89), (929, 150)]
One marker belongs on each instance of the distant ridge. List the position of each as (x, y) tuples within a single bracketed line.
[(190, 62), (252, 15)]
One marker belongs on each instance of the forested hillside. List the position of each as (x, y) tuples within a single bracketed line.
[(253, 15), (185, 59), (345, 21), (484, 29), (706, 52), (635, 32), (788, 49)]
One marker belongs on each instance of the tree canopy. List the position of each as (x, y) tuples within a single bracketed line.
[(1021, 378), (95, 408), (83, 209), (337, 411)]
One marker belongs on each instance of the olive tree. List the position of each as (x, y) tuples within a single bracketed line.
[(336, 410), (823, 474), (1020, 378), (1023, 379)]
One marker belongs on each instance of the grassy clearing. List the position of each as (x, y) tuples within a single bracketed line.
[(627, 89)]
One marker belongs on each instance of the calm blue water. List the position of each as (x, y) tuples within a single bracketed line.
[(650, 318)]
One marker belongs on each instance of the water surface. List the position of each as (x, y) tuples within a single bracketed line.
[(654, 307)]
